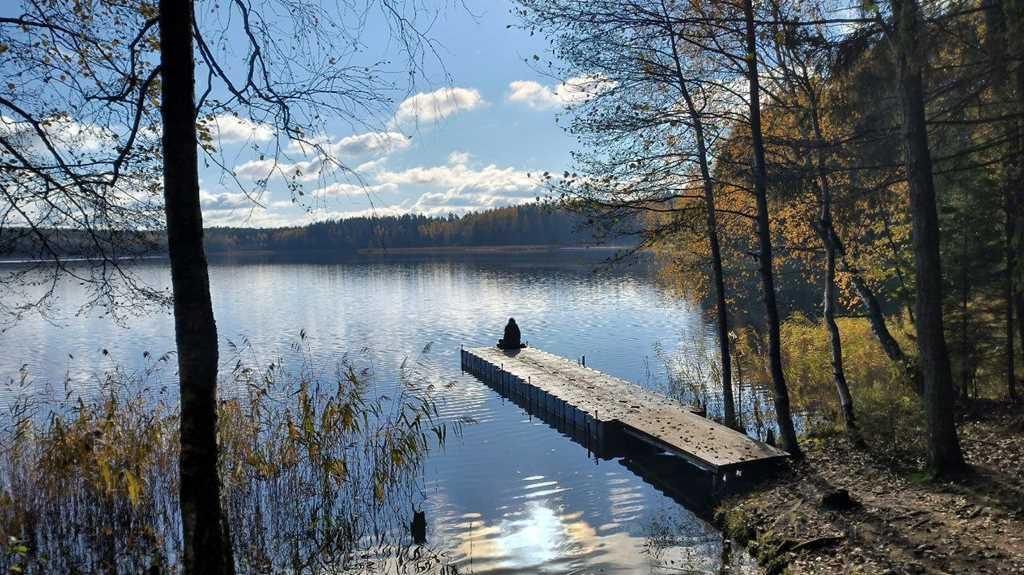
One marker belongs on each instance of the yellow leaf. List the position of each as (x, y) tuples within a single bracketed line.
[(338, 469), (134, 486), (107, 476)]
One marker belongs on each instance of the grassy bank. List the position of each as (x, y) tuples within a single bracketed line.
[(887, 409), (898, 519), (318, 471)]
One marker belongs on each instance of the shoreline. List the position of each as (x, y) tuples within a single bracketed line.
[(898, 521), (510, 249)]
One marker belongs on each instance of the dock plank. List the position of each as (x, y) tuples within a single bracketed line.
[(642, 413)]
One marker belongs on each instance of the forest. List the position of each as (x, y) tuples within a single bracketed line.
[(528, 224), (875, 151), (847, 151)]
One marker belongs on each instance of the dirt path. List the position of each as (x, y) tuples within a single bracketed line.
[(900, 523)]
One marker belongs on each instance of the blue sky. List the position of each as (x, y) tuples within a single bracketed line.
[(474, 133)]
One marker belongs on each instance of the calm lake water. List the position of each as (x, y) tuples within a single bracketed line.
[(512, 494)]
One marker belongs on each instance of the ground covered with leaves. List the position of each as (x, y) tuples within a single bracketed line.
[(897, 519)]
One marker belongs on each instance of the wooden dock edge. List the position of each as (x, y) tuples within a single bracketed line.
[(600, 436)]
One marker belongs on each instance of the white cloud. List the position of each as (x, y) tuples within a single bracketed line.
[(437, 105), (455, 187), (87, 137), (437, 203), (346, 189), (450, 188), (304, 171), (266, 169), (575, 90), (248, 218), (372, 165), (376, 212), (462, 179), (63, 133), (354, 146), (224, 200), (255, 169), (459, 157), (370, 143), (227, 128), (313, 166)]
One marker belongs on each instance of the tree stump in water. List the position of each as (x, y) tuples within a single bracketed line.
[(419, 527)]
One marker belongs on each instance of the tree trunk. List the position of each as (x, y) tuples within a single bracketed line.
[(1019, 298), (998, 47), (890, 346), (728, 405), (1010, 233), (836, 344), (827, 234), (944, 454), (207, 547), (783, 416), (1001, 16), (965, 292), (1018, 179), (720, 303)]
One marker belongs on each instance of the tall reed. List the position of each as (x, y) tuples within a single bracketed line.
[(320, 468)]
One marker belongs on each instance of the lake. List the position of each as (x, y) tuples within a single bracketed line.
[(511, 494)]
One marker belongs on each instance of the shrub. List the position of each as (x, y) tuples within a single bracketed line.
[(888, 411)]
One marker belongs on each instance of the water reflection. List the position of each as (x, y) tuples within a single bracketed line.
[(534, 537), (513, 494)]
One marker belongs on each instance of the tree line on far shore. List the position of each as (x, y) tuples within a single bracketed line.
[(528, 224)]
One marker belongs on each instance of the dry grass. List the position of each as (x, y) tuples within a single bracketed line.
[(318, 472), (888, 411)]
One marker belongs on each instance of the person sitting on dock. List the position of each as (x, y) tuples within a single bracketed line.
[(513, 338)]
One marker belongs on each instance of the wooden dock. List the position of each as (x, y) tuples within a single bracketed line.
[(608, 410)]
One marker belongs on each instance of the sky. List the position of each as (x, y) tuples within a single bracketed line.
[(474, 133)]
